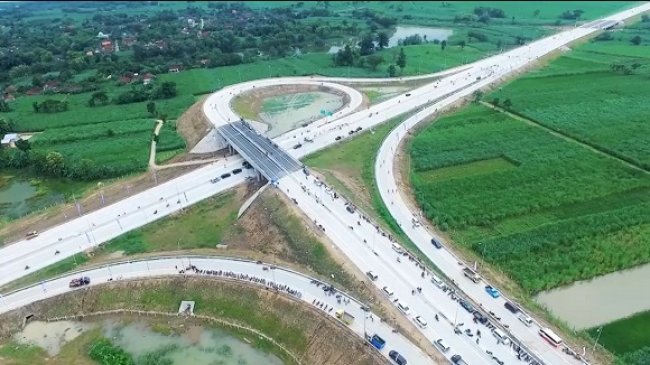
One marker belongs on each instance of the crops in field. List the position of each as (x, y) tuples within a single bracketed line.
[(547, 210), (628, 337)]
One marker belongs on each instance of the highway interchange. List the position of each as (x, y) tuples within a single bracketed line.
[(359, 243)]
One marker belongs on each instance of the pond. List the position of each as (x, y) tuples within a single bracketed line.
[(288, 111), (187, 345), (427, 33), (602, 300), (21, 194)]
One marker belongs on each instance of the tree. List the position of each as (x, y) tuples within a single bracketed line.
[(636, 40), (536, 13), (151, 108), (98, 97), (495, 101), (478, 94), (374, 60), (23, 145), (54, 163), (443, 45), (367, 45), (645, 18), (37, 81), (401, 59), (507, 103), (65, 75), (5, 127), (392, 71), (4, 107), (382, 39), (462, 44), (35, 106)]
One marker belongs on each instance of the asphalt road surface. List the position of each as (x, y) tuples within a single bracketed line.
[(94, 228)]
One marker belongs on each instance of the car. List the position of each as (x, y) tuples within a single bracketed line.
[(492, 291), (236, 171), (479, 317), (403, 307), (458, 360), (442, 345), (372, 275), (465, 304), (351, 132), (396, 248), (436, 243), (395, 356), (225, 176), (420, 322), (526, 320), (338, 138), (215, 180), (511, 307), (387, 291), (408, 94), (246, 165), (437, 281), (31, 235), (358, 129), (295, 147)]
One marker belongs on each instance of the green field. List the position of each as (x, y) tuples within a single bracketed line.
[(561, 207), (629, 338)]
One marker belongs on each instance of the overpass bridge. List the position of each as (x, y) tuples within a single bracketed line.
[(260, 151)]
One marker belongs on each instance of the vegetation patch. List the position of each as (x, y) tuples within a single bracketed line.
[(469, 169)]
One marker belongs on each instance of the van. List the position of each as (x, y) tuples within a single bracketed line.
[(420, 322), (442, 345), (396, 248), (437, 281), (500, 336), (387, 291)]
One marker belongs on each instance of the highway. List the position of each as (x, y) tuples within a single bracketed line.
[(302, 288), (97, 227)]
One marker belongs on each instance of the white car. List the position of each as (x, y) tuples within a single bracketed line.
[(437, 281), (387, 291), (420, 322), (442, 345), (403, 307), (526, 320)]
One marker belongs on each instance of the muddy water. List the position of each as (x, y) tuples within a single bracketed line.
[(286, 112), (601, 300), (193, 345), (14, 197), (51, 336), (196, 345)]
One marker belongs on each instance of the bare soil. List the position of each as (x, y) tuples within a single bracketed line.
[(193, 124)]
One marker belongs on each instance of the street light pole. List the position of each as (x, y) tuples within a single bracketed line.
[(600, 330)]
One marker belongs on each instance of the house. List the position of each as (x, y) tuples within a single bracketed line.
[(128, 41), (102, 35), (107, 46), (127, 78), (9, 139), (147, 78), (33, 91), (175, 68), (8, 97), (51, 85)]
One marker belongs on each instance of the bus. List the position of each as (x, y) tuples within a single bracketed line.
[(550, 337)]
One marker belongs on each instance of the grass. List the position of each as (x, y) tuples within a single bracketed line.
[(20, 354), (626, 335), (63, 266)]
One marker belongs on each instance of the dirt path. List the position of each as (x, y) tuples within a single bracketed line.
[(152, 151)]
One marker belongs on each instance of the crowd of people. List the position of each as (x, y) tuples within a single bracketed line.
[(244, 277)]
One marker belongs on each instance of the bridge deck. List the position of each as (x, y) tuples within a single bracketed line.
[(259, 151)]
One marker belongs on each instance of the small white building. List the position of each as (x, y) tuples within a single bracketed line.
[(9, 139)]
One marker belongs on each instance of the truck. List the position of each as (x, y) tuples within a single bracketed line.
[(471, 274), (376, 341), (344, 316), (77, 282)]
